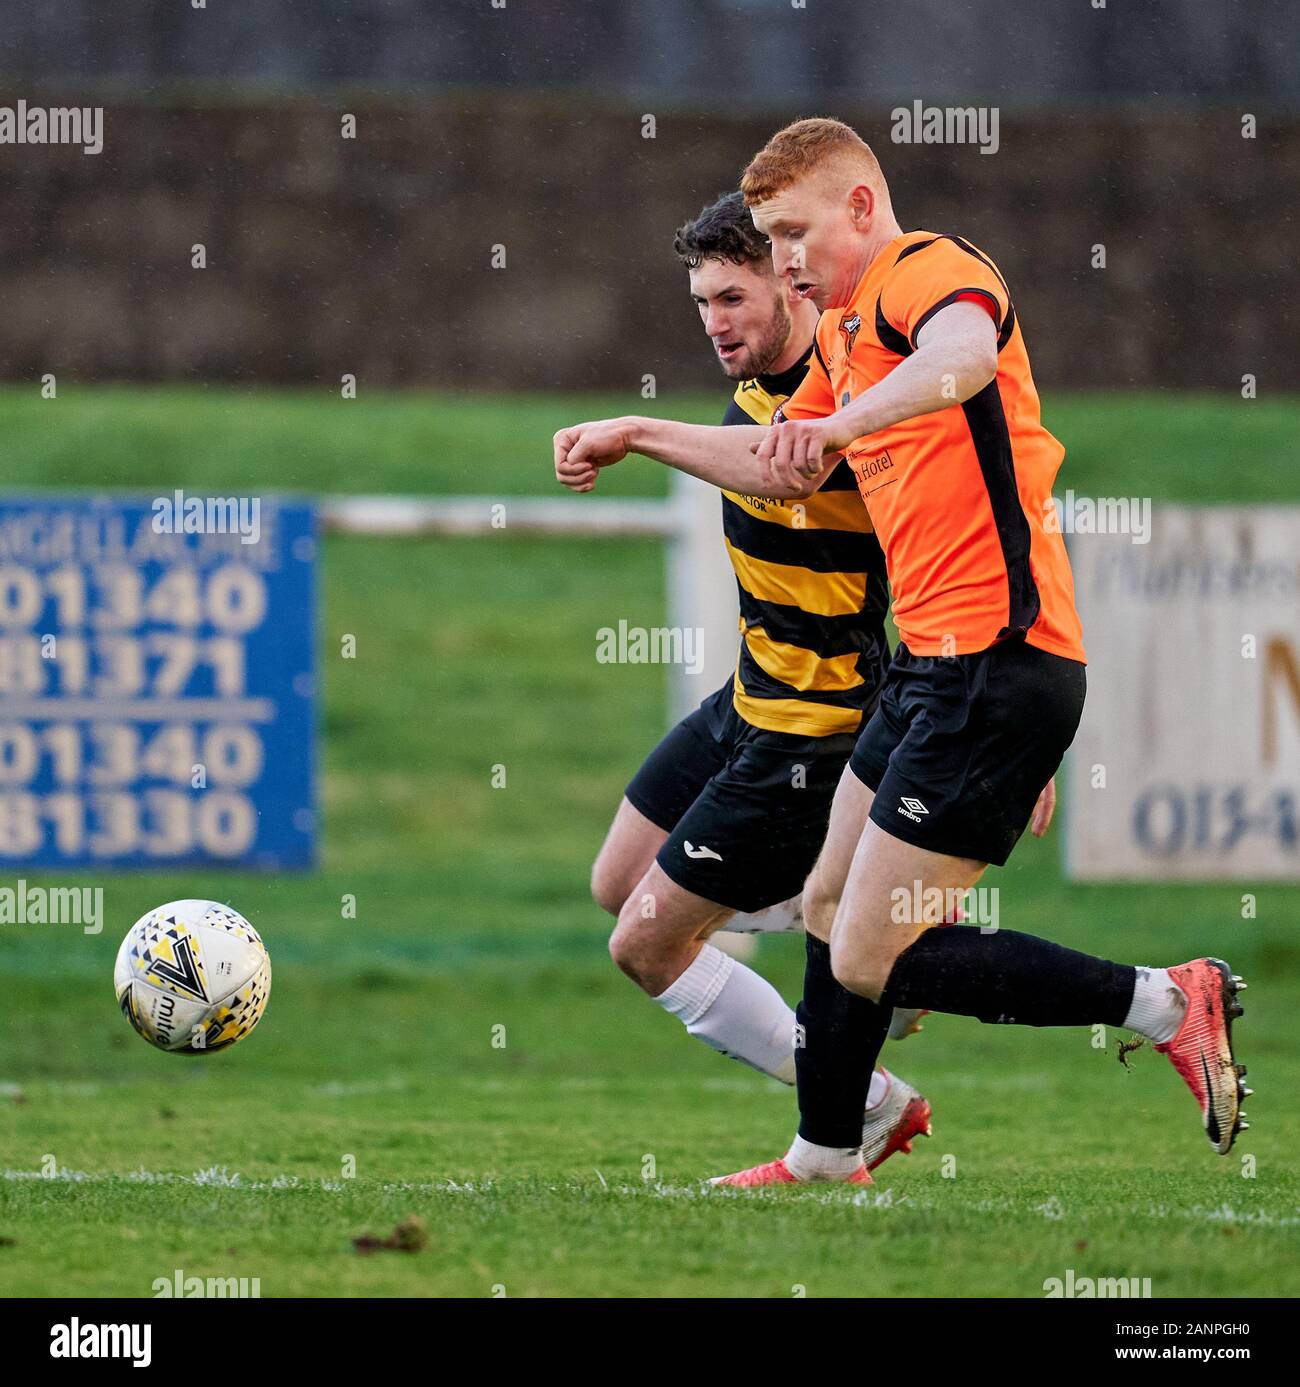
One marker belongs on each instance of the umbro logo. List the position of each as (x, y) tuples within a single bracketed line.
[(912, 809), (702, 851)]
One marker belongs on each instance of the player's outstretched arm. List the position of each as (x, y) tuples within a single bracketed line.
[(721, 455), (956, 356), (582, 450)]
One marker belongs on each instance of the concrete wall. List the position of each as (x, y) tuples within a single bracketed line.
[(373, 255)]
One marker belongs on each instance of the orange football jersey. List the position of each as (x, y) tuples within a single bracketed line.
[(960, 499)]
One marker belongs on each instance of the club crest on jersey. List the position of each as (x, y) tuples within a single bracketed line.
[(850, 326)]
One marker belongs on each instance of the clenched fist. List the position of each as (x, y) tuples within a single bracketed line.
[(582, 450), (796, 451)]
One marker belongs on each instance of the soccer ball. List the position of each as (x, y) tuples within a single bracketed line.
[(192, 977)]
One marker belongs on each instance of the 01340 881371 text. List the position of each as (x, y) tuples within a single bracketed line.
[(156, 688)]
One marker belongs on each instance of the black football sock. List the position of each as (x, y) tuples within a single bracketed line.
[(835, 1051), (1009, 978)]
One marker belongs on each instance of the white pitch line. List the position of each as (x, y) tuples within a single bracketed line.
[(218, 1177)]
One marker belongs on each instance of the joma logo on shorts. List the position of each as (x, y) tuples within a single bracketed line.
[(912, 809)]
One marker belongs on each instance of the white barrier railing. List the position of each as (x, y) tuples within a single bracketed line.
[(701, 588)]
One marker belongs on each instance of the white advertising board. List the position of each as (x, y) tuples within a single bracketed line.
[(1187, 762)]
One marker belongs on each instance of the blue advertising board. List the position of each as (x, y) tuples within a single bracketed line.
[(157, 682)]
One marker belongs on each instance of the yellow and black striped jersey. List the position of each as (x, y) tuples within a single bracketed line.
[(813, 592)]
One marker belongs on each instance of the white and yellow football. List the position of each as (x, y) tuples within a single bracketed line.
[(192, 977)]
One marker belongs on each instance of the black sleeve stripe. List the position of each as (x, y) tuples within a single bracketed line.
[(1006, 324), (912, 249), (949, 299), (821, 360), (961, 244), (983, 259), (736, 415), (890, 338)]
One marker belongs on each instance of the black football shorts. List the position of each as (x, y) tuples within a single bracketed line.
[(745, 810), (960, 746)]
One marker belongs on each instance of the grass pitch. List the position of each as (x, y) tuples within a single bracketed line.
[(464, 1051)]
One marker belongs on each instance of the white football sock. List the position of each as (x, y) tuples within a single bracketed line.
[(735, 1012), (879, 1087), (808, 1162), (1158, 1006), (783, 918)]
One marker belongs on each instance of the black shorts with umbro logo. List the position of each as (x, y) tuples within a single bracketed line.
[(960, 746)]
